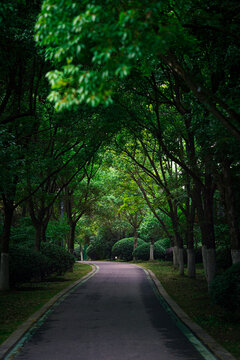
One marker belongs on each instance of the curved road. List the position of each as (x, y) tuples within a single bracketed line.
[(115, 315)]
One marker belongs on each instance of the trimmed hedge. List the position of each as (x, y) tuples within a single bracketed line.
[(27, 264), (99, 249), (60, 260), (142, 252), (225, 288), (123, 248)]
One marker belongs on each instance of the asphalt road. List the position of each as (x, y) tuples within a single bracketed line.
[(115, 315)]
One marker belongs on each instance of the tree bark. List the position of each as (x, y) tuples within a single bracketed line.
[(71, 237), (191, 266), (211, 265), (151, 254), (230, 205), (38, 235), (135, 239), (81, 254), (191, 263), (4, 270), (180, 261), (204, 257), (175, 257), (235, 256), (204, 205)]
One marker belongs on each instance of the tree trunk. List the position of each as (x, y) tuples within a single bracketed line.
[(230, 205), (81, 255), (151, 254), (178, 238), (204, 257), (38, 236), (235, 256), (4, 270), (211, 265), (44, 228), (191, 266), (209, 223), (180, 261), (175, 257), (135, 242), (206, 223), (191, 263), (71, 237), (135, 239)]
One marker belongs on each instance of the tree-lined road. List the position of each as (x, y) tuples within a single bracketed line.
[(114, 315)]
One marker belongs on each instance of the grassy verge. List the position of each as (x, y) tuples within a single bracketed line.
[(192, 296), (18, 304)]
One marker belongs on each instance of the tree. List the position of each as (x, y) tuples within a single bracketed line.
[(182, 35), (80, 197)]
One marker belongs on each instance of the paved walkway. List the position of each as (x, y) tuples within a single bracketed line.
[(115, 315)]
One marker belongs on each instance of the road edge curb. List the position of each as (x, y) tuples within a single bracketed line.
[(13, 339), (217, 350)]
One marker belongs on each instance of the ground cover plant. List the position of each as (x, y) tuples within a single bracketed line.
[(19, 303), (192, 296)]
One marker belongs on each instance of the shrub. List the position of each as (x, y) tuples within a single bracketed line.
[(23, 234), (26, 264), (225, 288), (142, 252), (164, 242), (60, 260), (123, 248), (99, 248)]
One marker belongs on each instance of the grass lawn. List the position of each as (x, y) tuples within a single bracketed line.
[(192, 296), (18, 304)]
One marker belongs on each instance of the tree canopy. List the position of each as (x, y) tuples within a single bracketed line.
[(139, 134)]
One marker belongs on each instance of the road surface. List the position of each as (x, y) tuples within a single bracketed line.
[(115, 315)]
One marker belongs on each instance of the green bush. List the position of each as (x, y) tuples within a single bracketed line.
[(165, 243), (225, 288), (123, 248), (23, 234), (142, 252), (60, 260), (26, 264), (99, 248)]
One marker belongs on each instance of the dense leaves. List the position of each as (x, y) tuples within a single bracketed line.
[(123, 249), (60, 260), (225, 288), (142, 252)]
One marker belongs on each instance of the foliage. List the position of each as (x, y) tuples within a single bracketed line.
[(26, 264), (99, 248), (142, 252), (225, 288), (23, 233), (164, 243), (59, 259), (123, 248), (57, 231), (150, 228)]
